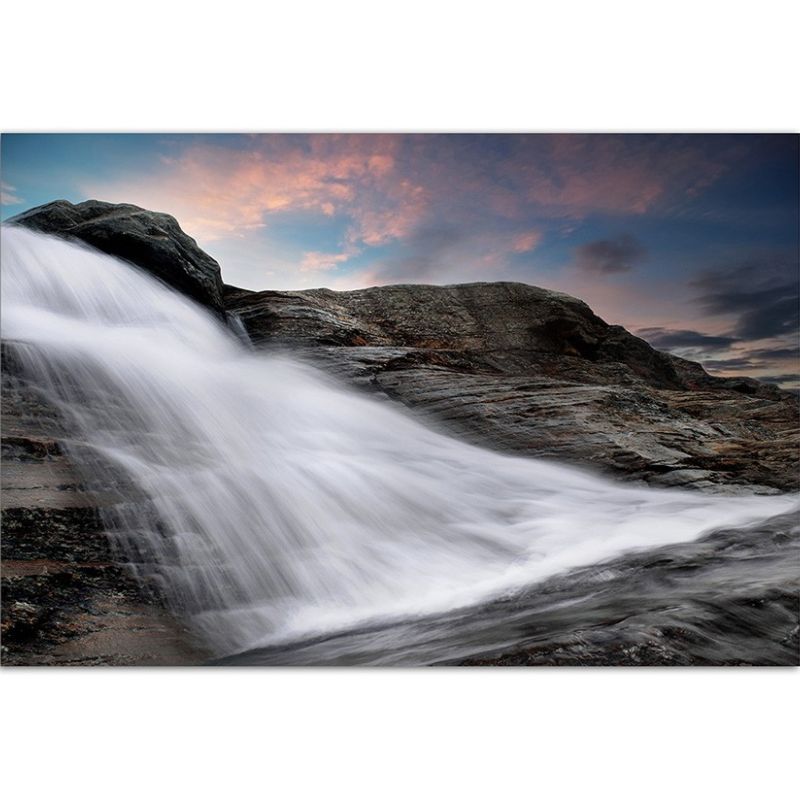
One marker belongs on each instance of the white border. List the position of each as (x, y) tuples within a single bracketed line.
[(700, 66)]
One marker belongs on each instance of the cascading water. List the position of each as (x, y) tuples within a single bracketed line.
[(268, 502)]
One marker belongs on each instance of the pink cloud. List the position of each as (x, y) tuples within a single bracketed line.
[(387, 185), (574, 175), (525, 242), (387, 188), (218, 192), (8, 195), (315, 261)]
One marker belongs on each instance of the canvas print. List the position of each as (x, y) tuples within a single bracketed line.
[(400, 399)]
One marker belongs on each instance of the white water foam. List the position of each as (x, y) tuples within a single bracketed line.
[(286, 504)]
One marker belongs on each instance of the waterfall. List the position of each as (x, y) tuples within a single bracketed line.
[(267, 501)]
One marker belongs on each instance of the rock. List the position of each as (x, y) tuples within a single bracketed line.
[(727, 599), (527, 370), (65, 597), (152, 241)]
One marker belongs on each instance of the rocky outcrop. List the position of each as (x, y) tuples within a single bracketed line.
[(532, 371), (152, 241)]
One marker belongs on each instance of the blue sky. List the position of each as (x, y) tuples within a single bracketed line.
[(690, 240)]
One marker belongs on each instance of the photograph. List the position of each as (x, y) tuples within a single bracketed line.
[(400, 399)]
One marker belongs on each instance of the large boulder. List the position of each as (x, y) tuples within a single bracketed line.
[(533, 371), (506, 323), (150, 240)]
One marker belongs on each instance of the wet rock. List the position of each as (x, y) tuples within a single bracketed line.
[(65, 597), (536, 372), (150, 240), (729, 599)]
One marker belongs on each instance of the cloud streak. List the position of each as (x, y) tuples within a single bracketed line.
[(8, 195), (573, 175), (761, 293), (315, 261), (682, 339)]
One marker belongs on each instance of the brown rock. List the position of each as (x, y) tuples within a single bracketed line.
[(527, 370)]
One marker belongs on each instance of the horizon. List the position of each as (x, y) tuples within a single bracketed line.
[(687, 240)]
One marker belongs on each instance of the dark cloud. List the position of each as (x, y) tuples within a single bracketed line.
[(422, 256), (765, 358), (606, 256), (669, 339), (737, 363), (777, 353), (791, 377), (777, 314), (698, 346), (763, 292), (754, 363)]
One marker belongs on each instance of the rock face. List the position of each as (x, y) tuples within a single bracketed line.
[(728, 599), (152, 241), (532, 371)]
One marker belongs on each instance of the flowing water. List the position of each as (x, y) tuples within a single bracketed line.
[(271, 505)]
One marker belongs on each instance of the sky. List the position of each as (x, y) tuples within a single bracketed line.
[(688, 240)]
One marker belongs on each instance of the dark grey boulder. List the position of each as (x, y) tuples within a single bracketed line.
[(150, 240)]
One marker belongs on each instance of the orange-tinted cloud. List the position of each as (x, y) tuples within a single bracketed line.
[(315, 261), (525, 242), (218, 191), (386, 185)]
